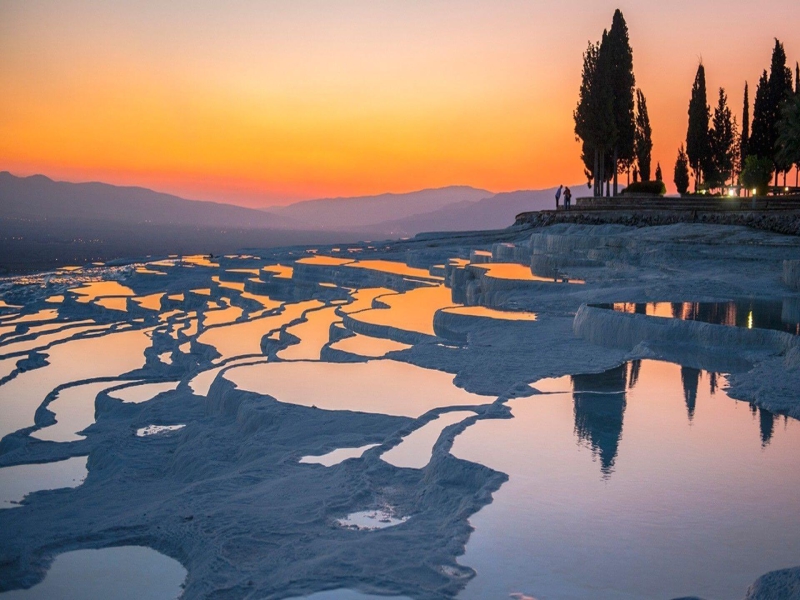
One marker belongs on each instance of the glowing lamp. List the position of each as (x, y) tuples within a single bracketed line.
[(754, 191)]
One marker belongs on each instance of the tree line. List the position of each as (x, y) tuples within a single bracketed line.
[(719, 154), (613, 125)]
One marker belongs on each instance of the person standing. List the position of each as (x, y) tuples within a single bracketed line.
[(558, 195), (567, 198)]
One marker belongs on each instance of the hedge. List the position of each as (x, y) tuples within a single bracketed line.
[(646, 187)]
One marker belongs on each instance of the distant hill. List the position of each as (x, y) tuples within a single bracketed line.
[(39, 197), (44, 223), (362, 212), (494, 212)]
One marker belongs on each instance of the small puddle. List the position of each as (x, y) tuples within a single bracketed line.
[(336, 456), (370, 520), (157, 429)]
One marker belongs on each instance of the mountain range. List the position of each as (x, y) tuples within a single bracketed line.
[(47, 222)]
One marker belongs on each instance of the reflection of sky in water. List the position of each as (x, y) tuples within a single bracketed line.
[(135, 394), (313, 334), (491, 313), (409, 311), (763, 314), (335, 457), (324, 261), (19, 481), (647, 464), (379, 386), (122, 573), (74, 411), (364, 345), (414, 452), (96, 289), (516, 271), (245, 338), (394, 267), (104, 356)]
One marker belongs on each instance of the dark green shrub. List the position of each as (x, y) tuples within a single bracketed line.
[(646, 187), (756, 174)]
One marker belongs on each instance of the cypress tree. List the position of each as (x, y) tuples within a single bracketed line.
[(697, 143), (745, 138), (594, 118), (722, 138), (789, 135), (643, 142), (623, 85), (780, 87), (758, 144), (681, 176), (659, 175)]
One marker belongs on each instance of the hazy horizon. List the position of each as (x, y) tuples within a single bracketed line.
[(269, 104)]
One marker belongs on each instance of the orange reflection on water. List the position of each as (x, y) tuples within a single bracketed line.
[(120, 304), (492, 313), (279, 271), (91, 291), (360, 387), (313, 334), (517, 272), (390, 266), (410, 311), (372, 347), (326, 261), (244, 338)]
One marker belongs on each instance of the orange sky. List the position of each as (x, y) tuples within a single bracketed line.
[(267, 102)]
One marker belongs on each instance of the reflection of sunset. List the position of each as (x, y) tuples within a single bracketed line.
[(409, 311), (300, 102)]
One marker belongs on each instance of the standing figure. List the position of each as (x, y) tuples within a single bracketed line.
[(558, 195), (567, 198)]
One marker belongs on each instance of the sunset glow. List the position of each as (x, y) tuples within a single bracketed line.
[(262, 103)]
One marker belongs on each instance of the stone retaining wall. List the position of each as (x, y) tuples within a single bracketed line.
[(778, 221)]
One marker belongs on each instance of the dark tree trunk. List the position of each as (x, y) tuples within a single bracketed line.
[(596, 173), (616, 169)]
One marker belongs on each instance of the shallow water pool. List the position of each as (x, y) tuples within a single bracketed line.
[(646, 481)]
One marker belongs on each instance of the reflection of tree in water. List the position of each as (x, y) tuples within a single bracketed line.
[(634, 375), (766, 424), (599, 406), (690, 379)]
